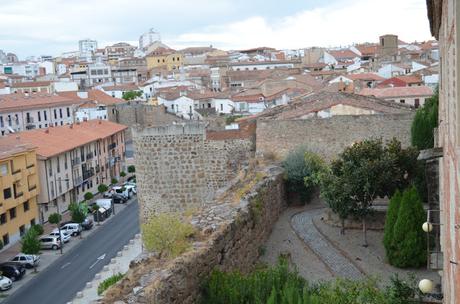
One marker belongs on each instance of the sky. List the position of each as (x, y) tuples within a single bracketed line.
[(50, 27)]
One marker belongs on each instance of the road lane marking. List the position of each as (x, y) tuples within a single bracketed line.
[(97, 261), (65, 265)]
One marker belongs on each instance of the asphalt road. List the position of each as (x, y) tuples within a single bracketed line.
[(59, 283)]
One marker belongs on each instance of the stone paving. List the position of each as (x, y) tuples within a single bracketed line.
[(341, 266)]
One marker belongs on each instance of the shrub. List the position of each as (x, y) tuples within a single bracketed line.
[(30, 243), (122, 174), (78, 212), (392, 216), (131, 169), (88, 196), (104, 285), (408, 236), (425, 120), (114, 181), (231, 119), (54, 218), (299, 169), (38, 228), (167, 235), (102, 188)]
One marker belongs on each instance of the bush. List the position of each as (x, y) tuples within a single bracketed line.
[(131, 169), (281, 286), (38, 228), (104, 285), (54, 218), (102, 188), (167, 235), (88, 196), (114, 181), (425, 121), (408, 237), (78, 212), (122, 174), (299, 167), (30, 242), (391, 218)]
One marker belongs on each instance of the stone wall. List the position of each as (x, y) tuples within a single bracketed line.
[(179, 169), (236, 233), (328, 137), (135, 113)]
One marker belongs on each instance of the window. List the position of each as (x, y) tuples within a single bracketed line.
[(60, 187), (62, 123), (4, 169), (222, 107), (1, 122), (50, 168), (55, 114), (22, 230), (32, 222), (12, 213), (3, 218), (26, 206), (60, 113), (417, 102), (39, 116), (58, 168), (6, 239), (402, 101), (45, 116), (68, 112), (7, 193), (65, 161)]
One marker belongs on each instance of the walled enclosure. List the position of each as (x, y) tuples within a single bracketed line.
[(239, 231), (179, 168), (329, 136)]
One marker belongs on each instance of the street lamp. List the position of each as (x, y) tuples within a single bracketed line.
[(426, 286), (427, 227)]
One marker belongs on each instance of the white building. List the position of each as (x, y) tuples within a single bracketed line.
[(391, 70), (148, 38), (253, 66), (87, 47)]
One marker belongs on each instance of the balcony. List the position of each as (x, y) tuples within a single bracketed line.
[(87, 174), (78, 181), (30, 166), (75, 162), (19, 194), (112, 146), (32, 188), (29, 120), (89, 156)]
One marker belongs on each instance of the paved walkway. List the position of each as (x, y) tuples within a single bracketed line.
[(341, 266)]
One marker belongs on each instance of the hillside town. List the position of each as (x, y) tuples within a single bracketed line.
[(143, 173)]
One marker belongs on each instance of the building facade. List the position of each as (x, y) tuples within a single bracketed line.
[(19, 189)]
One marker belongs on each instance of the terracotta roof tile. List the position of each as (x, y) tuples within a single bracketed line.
[(13, 102), (31, 84), (397, 92)]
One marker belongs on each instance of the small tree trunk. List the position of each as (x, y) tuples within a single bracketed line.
[(342, 229), (365, 244)]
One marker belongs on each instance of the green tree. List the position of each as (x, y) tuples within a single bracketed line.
[(30, 244), (425, 121), (167, 235), (122, 173), (131, 169), (38, 228), (88, 196), (315, 166), (336, 193), (114, 181), (408, 237), (102, 188), (55, 218), (78, 212), (130, 95), (391, 218)]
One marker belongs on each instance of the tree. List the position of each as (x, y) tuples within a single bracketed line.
[(31, 244), (114, 181), (367, 170), (131, 169), (78, 212), (167, 235), (425, 121), (390, 221), (38, 228), (130, 95), (55, 218), (88, 196), (102, 188), (336, 193), (122, 174), (408, 237)]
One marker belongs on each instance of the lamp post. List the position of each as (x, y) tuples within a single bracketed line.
[(426, 286)]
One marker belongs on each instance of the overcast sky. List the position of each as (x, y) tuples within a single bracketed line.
[(50, 27)]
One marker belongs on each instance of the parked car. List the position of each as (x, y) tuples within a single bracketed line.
[(126, 192), (73, 229), (131, 187), (132, 179), (5, 283), (87, 224), (119, 199), (12, 270), (108, 194), (50, 242), (65, 236), (27, 260)]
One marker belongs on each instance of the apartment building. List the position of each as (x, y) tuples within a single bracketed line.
[(19, 189), (35, 111), (75, 159), (32, 87)]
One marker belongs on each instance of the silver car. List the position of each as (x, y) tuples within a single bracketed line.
[(5, 283), (27, 260), (50, 242)]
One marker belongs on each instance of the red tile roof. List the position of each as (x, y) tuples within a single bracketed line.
[(11, 145), (365, 76), (343, 54), (18, 102), (397, 92), (31, 84), (56, 140)]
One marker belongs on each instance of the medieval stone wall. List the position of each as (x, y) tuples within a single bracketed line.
[(178, 169), (238, 232), (330, 136)]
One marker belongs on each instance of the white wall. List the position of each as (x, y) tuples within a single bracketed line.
[(224, 106), (65, 86)]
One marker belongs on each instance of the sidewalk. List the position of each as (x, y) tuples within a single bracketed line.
[(47, 257)]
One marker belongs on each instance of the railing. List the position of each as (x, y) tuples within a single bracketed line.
[(30, 166), (87, 174), (29, 120), (19, 194), (33, 188), (75, 161), (78, 181), (112, 146), (16, 171), (89, 156)]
